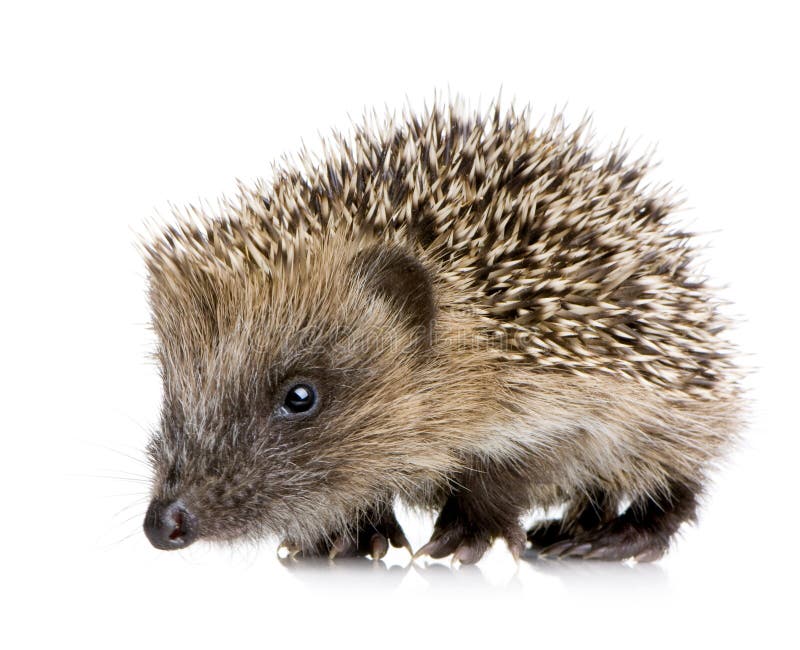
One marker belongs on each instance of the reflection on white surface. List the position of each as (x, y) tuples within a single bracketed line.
[(441, 575)]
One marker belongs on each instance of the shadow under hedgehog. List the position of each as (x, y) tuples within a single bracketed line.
[(455, 310)]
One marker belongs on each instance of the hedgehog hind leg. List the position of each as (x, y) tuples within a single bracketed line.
[(582, 514), (642, 532)]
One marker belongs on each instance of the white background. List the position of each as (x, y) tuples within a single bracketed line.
[(109, 113)]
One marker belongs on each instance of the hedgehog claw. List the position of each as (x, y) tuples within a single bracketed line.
[(568, 548), (291, 549), (342, 547), (398, 539), (470, 551), (651, 555), (469, 547), (379, 545), (578, 550), (438, 547), (515, 540), (554, 550)]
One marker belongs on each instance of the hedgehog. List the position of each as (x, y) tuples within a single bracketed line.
[(454, 310)]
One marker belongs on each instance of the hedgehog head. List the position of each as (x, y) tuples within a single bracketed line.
[(295, 395)]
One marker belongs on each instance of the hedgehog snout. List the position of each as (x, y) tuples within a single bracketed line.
[(170, 525)]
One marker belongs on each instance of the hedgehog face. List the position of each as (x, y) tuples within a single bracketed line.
[(291, 402)]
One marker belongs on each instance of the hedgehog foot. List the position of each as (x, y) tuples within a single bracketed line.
[(467, 541), (548, 533), (372, 536), (586, 513), (642, 532), (617, 540)]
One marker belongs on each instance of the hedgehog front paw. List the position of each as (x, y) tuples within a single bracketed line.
[(371, 536), (467, 542)]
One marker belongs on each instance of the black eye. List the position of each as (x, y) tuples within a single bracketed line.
[(300, 399)]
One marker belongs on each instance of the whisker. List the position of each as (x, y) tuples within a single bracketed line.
[(148, 430), (123, 539), (142, 460), (137, 515), (120, 495), (113, 478), (121, 471), (138, 502)]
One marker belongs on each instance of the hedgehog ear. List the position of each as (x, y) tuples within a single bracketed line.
[(398, 276)]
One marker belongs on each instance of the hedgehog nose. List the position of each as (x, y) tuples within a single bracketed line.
[(169, 525)]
